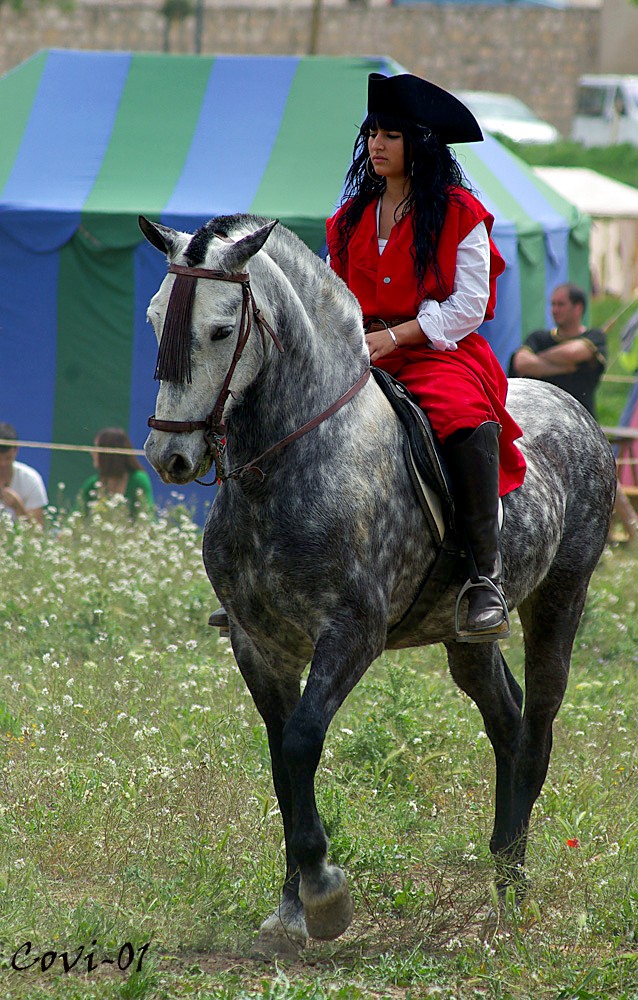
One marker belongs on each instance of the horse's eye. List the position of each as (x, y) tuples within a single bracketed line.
[(221, 332)]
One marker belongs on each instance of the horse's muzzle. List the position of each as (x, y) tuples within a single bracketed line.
[(176, 462)]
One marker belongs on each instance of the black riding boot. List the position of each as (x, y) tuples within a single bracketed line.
[(472, 461)]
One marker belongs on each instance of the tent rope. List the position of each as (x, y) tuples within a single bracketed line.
[(4, 442)]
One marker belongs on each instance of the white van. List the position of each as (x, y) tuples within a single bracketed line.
[(606, 110)]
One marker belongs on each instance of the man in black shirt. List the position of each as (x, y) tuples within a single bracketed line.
[(569, 355)]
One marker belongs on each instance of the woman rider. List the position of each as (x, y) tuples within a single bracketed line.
[(413, 244)]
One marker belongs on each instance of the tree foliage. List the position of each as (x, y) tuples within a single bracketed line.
[(20, 5), (618, 162)]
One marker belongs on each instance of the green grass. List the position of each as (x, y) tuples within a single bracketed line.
[(136, 802), (613, 390), (619, 162)]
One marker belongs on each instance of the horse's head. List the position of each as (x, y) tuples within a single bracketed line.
[(201, 314)]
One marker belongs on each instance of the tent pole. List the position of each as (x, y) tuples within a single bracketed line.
[(315, 25), (199, 25)]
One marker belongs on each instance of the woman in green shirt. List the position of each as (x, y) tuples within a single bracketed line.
[(117, 473)]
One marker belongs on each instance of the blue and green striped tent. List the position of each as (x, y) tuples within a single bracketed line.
[(92, 139)]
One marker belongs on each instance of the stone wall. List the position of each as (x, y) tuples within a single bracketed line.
[(619, 37), (534, 52)]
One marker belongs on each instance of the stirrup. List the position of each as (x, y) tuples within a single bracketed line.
[(501, 631), (219, 619)]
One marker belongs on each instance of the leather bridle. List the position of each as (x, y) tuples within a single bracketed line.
[(212, 425)]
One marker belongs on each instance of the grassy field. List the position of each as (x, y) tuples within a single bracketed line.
[(612, 314), (618, 162), (140, 841)]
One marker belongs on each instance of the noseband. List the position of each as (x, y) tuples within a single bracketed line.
[(171, 368)]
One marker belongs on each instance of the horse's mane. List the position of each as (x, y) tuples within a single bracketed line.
[(326, 299)]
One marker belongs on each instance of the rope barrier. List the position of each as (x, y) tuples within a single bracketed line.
[(4, 442), (619, 433)]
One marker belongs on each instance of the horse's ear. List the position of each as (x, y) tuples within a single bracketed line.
[(241, 251), (166, 240)]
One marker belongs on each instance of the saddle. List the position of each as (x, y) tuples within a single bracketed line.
[(432, 487)]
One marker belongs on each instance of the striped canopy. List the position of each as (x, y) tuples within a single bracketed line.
[(92, 139)]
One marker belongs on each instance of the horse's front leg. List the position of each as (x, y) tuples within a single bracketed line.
[(276, 693), (342, 655)]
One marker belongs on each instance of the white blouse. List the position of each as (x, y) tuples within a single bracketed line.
[(445, 323)]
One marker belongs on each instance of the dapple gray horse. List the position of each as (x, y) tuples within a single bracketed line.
[(317, 548)]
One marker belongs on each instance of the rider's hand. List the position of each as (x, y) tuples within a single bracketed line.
[(379, 344)]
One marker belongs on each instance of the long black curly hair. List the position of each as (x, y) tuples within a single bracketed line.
[(433, 170)]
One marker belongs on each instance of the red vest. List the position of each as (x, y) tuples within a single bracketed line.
[(457, 389), (384, 286)]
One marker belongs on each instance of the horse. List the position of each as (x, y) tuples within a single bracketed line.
[(316, 544)]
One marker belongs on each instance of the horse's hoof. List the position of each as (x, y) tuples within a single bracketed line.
[(282, 935), (512, 883), (272, 944), (329, 911), (491, 924)]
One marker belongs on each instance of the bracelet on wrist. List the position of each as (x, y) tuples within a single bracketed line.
[(393, 335)]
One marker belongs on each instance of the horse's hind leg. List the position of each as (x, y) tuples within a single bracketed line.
[(515, 689), (522, 745), (481, 671), (550, 618), (283, 933)]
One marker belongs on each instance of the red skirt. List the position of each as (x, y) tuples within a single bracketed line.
[(462, 389)]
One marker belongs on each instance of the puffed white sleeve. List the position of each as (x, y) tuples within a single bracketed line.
[(445, 323)]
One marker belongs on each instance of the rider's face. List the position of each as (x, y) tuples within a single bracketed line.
[(386, 152)]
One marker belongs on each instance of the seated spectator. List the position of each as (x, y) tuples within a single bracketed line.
[(570, 355), (117, 474), (22, 490)]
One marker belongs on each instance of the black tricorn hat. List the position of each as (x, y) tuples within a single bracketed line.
[(409, 97)]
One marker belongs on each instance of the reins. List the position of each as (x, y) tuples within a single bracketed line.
[(173, 365), (310, 425)]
